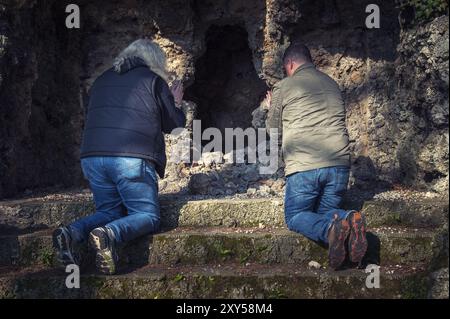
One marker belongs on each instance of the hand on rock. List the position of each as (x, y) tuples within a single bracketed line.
[(177, 90), (268, 99)]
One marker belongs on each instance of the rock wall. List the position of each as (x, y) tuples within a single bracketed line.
[(422, 75), (40, 113), (395, 83), (394, 80)]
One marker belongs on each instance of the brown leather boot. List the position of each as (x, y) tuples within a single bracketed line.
[(357, 243), (337, 237)]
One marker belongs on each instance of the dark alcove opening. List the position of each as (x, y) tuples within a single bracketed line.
[(227, 88)]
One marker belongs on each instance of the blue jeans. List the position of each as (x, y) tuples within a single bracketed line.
[(313, 198), (125, 193)]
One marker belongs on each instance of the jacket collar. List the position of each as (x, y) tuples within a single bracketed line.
[(307, 65), (128, 64)]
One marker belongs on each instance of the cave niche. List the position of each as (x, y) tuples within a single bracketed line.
[(226, 88)]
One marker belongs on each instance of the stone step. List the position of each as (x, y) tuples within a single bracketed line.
[(200, 246), (30, 215), (231, 281)]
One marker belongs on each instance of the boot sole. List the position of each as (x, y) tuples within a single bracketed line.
[(62, 244), (104, 259), (337, 249), (357, 240)]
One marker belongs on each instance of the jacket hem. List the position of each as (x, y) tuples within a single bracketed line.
[(325, 164)]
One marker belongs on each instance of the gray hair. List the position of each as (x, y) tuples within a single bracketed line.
[(150, 52)]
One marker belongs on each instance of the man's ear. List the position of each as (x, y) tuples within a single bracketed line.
[(289, 66)]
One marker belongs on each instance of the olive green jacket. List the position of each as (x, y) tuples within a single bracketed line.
[(309, 111)]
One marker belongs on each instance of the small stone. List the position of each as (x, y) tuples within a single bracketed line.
[(314, 265), (229, 157), (210, 158), (264, 190)]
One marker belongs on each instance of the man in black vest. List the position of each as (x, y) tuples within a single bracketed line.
[(130, 107)]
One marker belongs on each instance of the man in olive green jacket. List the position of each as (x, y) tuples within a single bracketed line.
[(308, 109)]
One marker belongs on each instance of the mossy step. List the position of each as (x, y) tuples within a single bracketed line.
[(232, 281), (29, 215), (239, 245)]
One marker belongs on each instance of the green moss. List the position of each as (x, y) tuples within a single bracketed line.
[(97, 286), (222, 248), (179, 277), (396, 218), (226, 252), (277, 294), (399, 250), (415, 287), (244, 258), (425, 10), (262, 248), (218, 286), (152, 288), (47, 257)]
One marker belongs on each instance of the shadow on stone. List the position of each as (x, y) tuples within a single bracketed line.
[(373, 251)]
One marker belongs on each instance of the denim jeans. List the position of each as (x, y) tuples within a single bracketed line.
[(125, 193), (313, 198)]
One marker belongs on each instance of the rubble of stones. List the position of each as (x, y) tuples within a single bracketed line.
[(216, 174)]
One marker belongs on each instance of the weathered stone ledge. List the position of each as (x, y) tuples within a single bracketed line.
[(392, 246), (218, 282), (29, 215)]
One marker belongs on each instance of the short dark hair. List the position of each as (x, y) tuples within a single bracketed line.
[(297, 52)]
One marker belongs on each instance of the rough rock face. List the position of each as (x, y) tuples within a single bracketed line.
[(423, 75), (394, 82), (396, 88), (40, 117)]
